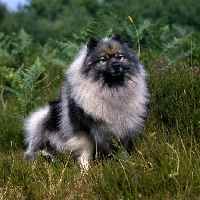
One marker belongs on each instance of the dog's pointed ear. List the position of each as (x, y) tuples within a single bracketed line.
[(118, 38), (92, 42)]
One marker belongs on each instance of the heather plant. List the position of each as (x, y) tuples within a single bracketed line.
[(177, 92)]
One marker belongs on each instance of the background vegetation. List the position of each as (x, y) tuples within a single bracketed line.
[(37, 43)]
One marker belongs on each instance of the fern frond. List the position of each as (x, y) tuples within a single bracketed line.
[(29, 77), (179, 46), (122, 16), (28, 83), (98, 28), (68, 44), (14, 91), (124, 19), (53, 81), (180, 31), (146, 24), (25, 39)]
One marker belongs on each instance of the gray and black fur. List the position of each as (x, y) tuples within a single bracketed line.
[(104, 97)]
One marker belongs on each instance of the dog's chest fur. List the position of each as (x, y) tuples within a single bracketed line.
[(117, 108)]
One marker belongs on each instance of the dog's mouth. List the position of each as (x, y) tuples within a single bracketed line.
[(118, 73), (114, 78)]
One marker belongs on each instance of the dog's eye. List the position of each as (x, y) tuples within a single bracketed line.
[(102, 60), (120, 57)]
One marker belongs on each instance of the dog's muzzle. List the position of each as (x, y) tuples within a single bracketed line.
[(116, 69)]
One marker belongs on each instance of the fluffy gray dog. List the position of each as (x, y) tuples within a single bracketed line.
[(103, 98)]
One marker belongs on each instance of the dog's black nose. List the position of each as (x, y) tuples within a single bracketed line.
[(116, 69), (116, 66)]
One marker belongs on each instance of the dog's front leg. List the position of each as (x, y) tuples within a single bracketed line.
[(81, 147)]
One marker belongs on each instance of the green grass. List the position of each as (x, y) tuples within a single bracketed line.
[(164, 163), (160, 167)]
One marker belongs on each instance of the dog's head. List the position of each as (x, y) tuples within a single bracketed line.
[(110, 60)]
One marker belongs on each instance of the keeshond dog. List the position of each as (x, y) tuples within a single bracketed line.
[(104, 98)]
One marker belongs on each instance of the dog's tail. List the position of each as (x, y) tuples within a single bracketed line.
[(34, 127)]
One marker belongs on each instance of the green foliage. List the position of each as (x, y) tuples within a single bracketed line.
[(15, 48), (180, 46), (99, 27), (181, 12), (145, 35), (27, 84), (56, 19), (175, 42)]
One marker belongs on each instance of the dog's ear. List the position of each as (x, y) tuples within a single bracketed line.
[(92, 42), (118, 38)]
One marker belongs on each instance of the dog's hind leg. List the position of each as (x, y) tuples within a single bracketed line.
[(32, 149)]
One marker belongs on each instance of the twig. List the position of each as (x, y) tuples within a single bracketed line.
[(177, 169), (138, 38), (2, 100)]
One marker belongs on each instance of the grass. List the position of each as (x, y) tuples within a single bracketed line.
[(164, 163), (160, 167)]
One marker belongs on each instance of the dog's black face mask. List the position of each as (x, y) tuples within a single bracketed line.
[(110, 61), (112, 70)]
